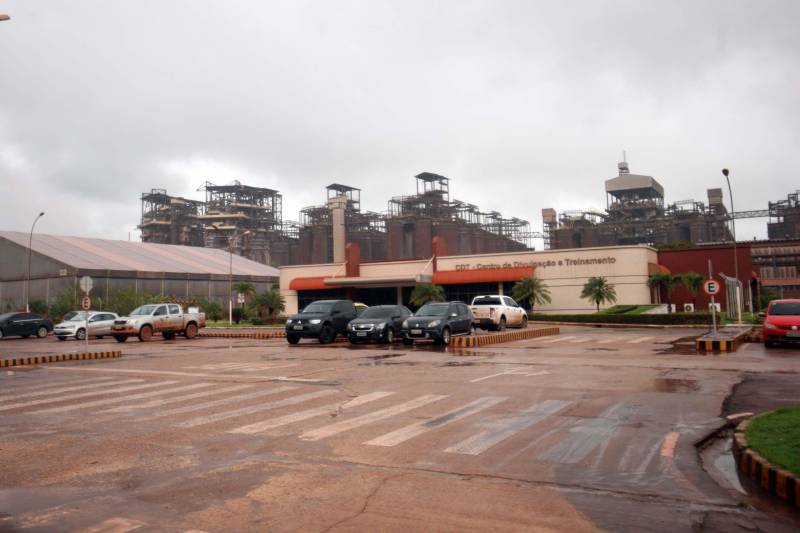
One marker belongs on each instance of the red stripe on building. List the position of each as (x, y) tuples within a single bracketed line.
[(484, 275), (308, 284)]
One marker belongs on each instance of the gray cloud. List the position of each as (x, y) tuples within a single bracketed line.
[(524, 105)]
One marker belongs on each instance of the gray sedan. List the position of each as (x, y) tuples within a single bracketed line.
[(100, 323)]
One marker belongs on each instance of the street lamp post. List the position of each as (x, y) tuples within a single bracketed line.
[(28, 277), (231, 239), (725, 173)]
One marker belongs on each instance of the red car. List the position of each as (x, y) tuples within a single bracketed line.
[(782, 322)]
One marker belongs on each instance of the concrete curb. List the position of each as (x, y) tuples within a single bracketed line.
[(472, 341), (708, 344), (57, 358), (244, 334), (609, 325), (775, 480)]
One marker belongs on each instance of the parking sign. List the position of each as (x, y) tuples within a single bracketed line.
[(711, 287)]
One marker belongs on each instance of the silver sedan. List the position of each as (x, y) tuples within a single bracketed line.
[(100, 323)]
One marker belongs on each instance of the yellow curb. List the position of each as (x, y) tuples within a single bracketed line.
[(57, 358), (472, 341)]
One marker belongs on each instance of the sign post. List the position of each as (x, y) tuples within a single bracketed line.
[(86, 304), (711, 287)]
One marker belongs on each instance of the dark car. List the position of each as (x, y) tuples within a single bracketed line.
[(379, 323), (438, 322), (321, 320), (782, 322), (24, 325)]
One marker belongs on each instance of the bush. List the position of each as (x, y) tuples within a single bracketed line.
[(213, 310), (38, 306), (672, 318), (239, 314)]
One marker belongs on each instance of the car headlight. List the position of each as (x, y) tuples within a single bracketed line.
[(434, 323), (380, 326), (405, 324), (770, 326), (314, 321), (288, 321)]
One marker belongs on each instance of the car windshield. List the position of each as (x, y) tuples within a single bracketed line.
[(433, 310), (318, 307), (4, 316), (144, 310), (486, 300), (377, 312), (75, 316), (785, 309)]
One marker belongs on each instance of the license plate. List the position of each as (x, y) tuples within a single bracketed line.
[(361, 334), (300, 328), (793, 333), (416, 332)]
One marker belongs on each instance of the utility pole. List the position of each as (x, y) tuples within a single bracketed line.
[(28, 278), (725, 173)]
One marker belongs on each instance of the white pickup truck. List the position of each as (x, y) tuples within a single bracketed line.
[(495, 312), (167, 319)]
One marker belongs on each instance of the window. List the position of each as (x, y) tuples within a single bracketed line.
[(174, 310), (510, 302), (161, 311)]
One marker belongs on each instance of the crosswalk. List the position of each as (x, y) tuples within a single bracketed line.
[(376, 420)]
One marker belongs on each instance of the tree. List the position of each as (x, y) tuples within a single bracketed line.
[(38, 306), (532, 290), (425, 293), (693, 283), (246, 288), (599, 290), (213, 310), (666, 282), (270, 301)]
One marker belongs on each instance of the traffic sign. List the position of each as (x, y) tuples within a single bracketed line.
[(86, 303), (711, 287), (87, 284)]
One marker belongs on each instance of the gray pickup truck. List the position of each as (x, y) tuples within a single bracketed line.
[(167, 319)]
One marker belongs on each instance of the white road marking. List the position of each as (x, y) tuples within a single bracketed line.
[(120, 399), (513, 372), (346, 425), (609, 341), (640, 339), (170, 373), (114, 525), (70, 397), (409, 432), (329, 409), (242, 367), (584, 438), (177, 399), (216, 417), (216, 403), (507, 427), (581, 340), (558, 339), (42, 391)]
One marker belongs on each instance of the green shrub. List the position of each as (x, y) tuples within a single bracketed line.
[(239, 314), (38, 306), (672, 318)]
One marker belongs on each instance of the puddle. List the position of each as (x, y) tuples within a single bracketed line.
[(671, 385), (384, 356), (602, 350), (682, 346), (460, 363)]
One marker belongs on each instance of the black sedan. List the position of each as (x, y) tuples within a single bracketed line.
[(24, 325), (379, 323)]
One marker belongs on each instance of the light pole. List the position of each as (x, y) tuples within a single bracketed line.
[(231, 239), (28, 278), (725, 173)]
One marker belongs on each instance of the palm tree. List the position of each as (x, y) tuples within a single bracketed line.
[(246, 288), (425, 293), (693, 282), (532, 290), (270, 301), (665, 281), (599, 290)]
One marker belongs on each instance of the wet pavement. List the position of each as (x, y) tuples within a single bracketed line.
[(589, 430)]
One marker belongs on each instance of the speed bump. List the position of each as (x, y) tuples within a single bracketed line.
[(57, 358), (473, 341)]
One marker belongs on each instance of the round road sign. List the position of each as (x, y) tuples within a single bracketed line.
[(86, 303), (711, 287)]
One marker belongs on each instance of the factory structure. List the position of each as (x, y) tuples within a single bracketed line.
[(249, 221)]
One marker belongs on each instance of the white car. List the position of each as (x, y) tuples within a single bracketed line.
[(495, 312), (100, 323)]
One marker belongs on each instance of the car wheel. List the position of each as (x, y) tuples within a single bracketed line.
[(61, 338), (445, 338), (769, 344), (80, 334), (168, 335), (120, 338), (389, 338), (408, 342), (326, 335), (146, 333), (352, 341), (191, 331), (524, 322), (98, 337), (472, 331), (292, 339), (1, 333), (502, 325)]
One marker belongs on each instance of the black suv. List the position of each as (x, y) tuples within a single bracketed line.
[(24, 325), (321, 320), (438, 321), (380, 323)]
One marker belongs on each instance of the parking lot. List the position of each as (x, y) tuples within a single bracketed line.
[(591, 429)]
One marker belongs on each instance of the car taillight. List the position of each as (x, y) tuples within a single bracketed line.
[(491, 311)]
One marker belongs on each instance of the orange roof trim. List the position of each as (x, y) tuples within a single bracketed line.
[(314, 283), (484, 275)]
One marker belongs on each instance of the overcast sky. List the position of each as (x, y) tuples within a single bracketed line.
[(524, 105)]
